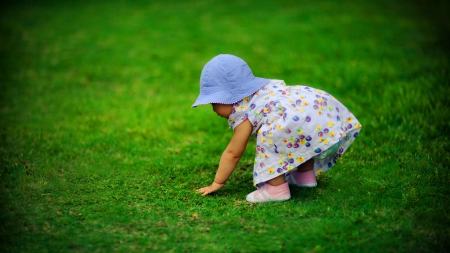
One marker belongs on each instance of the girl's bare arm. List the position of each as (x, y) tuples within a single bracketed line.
[(230, 157)]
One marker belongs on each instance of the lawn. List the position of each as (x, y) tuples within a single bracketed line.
[(101, 151)]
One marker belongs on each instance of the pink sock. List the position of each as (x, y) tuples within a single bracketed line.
[(307, 177)]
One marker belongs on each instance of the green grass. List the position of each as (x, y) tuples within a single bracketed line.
[(100, 150)]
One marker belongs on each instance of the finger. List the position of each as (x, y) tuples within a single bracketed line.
[(207, 190), (203, 190)]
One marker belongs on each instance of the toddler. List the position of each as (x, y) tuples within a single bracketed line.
[(300, 131)]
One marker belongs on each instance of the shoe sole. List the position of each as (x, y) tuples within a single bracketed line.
[(267, 200), (305, 185)]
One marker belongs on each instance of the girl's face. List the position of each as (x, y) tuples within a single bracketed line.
[(222, 110)]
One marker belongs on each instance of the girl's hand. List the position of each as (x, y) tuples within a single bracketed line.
[(210, 189)]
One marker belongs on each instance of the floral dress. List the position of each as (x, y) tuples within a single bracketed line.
[(293, 124)]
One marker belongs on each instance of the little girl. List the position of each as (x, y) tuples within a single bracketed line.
[(301, 131)]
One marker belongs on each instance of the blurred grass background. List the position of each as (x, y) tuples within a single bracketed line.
[(100, 150)]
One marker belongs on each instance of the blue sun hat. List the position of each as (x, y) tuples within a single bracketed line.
[(226, 79)]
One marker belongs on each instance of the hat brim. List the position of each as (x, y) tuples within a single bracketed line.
[(231, 97)]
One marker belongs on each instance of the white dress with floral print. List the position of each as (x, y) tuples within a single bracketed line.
[(293, 124)]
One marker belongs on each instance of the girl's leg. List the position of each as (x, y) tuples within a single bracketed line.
[(281, 179), (304, 176), (308, 165)]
